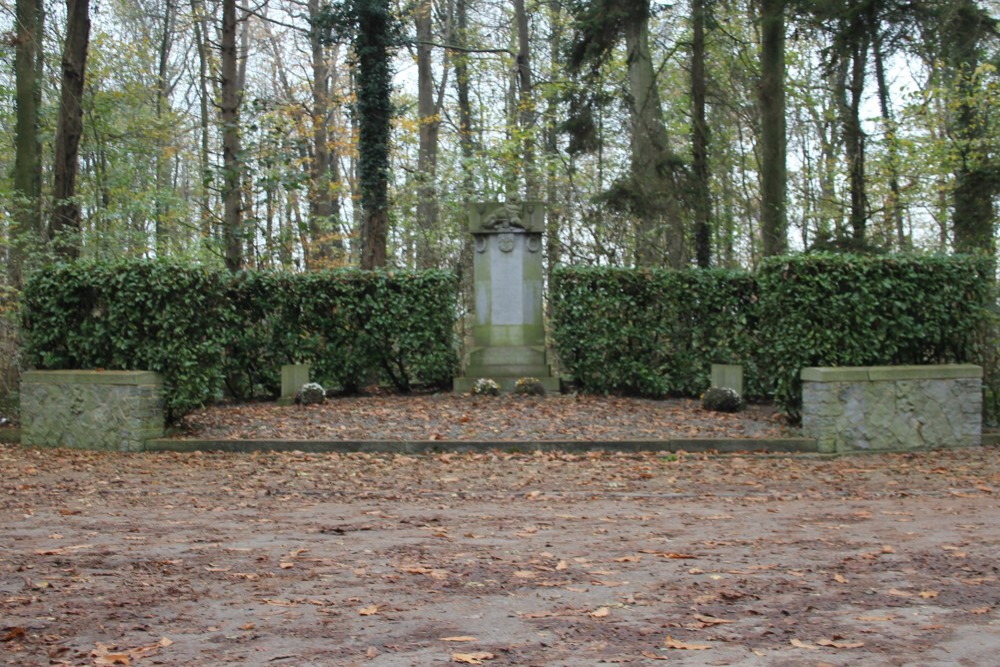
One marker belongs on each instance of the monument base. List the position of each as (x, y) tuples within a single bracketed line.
[(506, 365)]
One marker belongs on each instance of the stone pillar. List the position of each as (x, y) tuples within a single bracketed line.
[(293, 376), (509, 331)]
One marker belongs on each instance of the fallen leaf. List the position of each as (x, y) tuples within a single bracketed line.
[(653, 656), (895, 592), (10, 634), (797, 643), (981, 610), (872, 619), (600, 612), (372, 652), (562, 565), (711, 620), (670, 642), (286, 566), (62, 550), (840, 579), (472, 658), (886, 549), (927, 595), (839, 644), (462, 638), (368, 611), (676, 555), (628, 559)]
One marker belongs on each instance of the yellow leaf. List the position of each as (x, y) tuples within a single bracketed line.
[(472, 658), (670, 642)]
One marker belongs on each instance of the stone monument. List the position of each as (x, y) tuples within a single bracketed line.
[(508, 334)]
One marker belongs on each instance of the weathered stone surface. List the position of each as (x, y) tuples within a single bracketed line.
[(293, 376), (728, 376), (110, 410), (885, 408), (508, 332)]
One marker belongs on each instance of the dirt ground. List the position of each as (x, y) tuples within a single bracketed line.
[(498, 559)]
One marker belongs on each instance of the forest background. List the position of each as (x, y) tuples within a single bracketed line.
[(300, 135)]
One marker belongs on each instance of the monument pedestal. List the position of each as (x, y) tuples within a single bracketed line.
[(509, 331)]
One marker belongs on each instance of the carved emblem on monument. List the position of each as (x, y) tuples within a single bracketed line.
[(505, 241)]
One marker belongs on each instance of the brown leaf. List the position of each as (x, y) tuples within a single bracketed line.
[(472, 658), (10, 634), (887, 549), (711, 620), (600, 612), (981, 610), (670, 642), (840, 579), (927, 595), (797, 643), (671, 554), (839, 644), (370, 610), (461, 638), (653, 656)]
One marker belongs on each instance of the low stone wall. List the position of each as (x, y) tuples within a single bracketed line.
[(895, 408), (110, 410)]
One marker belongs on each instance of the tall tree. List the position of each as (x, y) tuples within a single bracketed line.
[(27, 147), (429, 104), (65, 227), (232, 168), (652, 191), (372, 30), (773, 140), (699, 139), (964, 29)]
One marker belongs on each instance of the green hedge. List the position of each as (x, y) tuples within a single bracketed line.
[(657, 332), (653, 332), (352, 326), (846, 310), (156, 316), (205, 330)]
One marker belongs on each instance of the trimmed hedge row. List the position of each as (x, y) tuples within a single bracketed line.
[(168, 318), (653, 332), (657, 332), (844, 310), (205, 329)]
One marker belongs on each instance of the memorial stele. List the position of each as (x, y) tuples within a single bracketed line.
[(508, 332)]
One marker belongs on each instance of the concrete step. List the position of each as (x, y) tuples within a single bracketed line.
[(520, 355)]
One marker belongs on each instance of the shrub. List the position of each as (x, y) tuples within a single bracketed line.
[(653, 332), (722, 399), (529, 387)]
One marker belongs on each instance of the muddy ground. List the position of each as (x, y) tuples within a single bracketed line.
[(498, 559)]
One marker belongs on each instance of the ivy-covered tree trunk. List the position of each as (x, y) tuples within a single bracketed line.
[(977, 178), (773, 142), (374, 81), (27, 146), (64, 228), (654, 166)]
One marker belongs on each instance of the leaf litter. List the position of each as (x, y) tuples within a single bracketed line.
[(531, 558)]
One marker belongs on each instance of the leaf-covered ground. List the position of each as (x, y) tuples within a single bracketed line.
[(464, 417), (495, 558)]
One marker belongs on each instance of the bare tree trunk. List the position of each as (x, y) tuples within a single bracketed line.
[(894, 206), (232, 221), (28, 148), (199, 22), (64, 229), (163, 233), (774, 174), (700, 140), (526, 102), (849, 93), (430, 123), (324, 218)]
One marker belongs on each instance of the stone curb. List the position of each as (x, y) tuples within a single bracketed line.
[(783, 445)]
